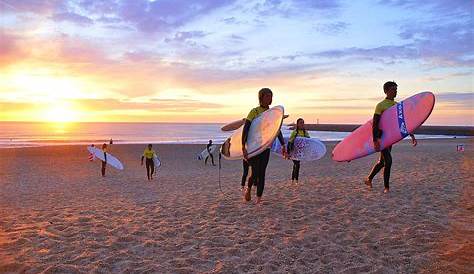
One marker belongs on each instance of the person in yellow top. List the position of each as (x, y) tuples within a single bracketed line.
[(385, 161), (148, 155), (299, 131), (259, 162)]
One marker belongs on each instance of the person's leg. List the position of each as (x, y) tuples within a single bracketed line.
[(293, 173), (387, 157), (212, 159), (147, 164), (103, 168), (245, 167), (254, 163), (377, 167), (205, 161), (297, 169), (264, 158), (152, 168)]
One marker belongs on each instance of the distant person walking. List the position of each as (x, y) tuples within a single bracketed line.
[(299, 131), (208, 147), (104, 163), (148, 155)]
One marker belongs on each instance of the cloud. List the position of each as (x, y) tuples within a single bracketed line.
[(406, 51), (184, 36), (141, 56), (332, 28), (33, 6), (456, 100), (164, 15), (72, 18), (437, 7), (6, 106), (449, 44), (10, 49), (293, 7), (152, 105)]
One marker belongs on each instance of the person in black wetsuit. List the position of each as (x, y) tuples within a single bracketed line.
[(259, 162), (104, 163), (208, 147), (385, 161)]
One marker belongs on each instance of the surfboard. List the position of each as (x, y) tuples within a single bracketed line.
[(304, 149), (111, 160), (238, 123), (156, 161), (396, 123), (204, 153), (262, 132)]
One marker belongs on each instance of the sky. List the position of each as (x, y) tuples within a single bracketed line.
[(205, 60)]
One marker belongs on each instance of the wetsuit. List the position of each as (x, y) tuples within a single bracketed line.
[(149, 163), (245, 166), (296, 164), (258, 162), (104, 163), (385, 160)]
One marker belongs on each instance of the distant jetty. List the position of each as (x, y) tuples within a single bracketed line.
[(426, 130)]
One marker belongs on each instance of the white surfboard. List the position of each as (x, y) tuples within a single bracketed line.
[(304, 149), (236, 124), (262, 132), (111, 160), (156, 161), (205, 153)]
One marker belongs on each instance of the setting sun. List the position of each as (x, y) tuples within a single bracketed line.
[(60, 113)]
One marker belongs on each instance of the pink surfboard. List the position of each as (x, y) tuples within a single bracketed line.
[(396, 123)]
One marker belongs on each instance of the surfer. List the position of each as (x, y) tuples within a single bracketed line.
[(104, 163), (385, 161), (148, 154), (259, 162), (208, 147), (299, 131)]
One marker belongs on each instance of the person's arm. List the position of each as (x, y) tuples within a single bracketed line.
[(143, 156), (282, 143), (376, 131), (245, 134), (105, 156)]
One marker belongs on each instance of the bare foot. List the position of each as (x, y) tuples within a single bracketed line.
[(368, 182), (259, 200), (385, 190)]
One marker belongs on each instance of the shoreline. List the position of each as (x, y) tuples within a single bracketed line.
[(118, 142), (423, 130)]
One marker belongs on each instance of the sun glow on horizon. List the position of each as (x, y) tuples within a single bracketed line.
[(62, 113)]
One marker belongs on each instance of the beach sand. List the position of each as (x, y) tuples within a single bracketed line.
[(57, 215)]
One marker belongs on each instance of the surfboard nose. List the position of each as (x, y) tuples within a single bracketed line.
[(225, 148)]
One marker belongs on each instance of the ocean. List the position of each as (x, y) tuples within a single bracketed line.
[(27, 134)]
